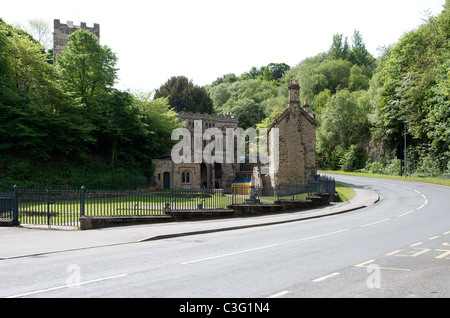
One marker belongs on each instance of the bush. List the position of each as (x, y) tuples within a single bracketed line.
[(429, 167), (354, 159)]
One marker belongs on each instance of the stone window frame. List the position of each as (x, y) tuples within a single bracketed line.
[(186, 176)]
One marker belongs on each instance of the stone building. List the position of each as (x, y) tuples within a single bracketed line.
[(62, 31), (296, 142), (291, 149), (198, 175)]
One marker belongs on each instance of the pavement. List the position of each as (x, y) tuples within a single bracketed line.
[(28, 241)]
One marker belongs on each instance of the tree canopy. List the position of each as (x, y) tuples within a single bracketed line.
[(67, 125), (185, 96)]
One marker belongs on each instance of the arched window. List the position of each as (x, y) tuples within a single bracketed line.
[(186, 177)]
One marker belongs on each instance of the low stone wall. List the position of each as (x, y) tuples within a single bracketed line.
[(283, 205), (309, 203), (256, 209), (200, 214), (94, 222), (6, 222)]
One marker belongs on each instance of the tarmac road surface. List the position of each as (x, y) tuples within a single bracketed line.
[(392, 240)]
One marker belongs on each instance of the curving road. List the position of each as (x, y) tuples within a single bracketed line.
[(399, 247)]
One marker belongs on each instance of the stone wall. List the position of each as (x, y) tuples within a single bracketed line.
[(296, 142), (216, 175)]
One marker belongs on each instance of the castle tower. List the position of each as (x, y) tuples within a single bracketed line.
[(62, 31)]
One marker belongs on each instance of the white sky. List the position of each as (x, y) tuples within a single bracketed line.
[(205, 39)]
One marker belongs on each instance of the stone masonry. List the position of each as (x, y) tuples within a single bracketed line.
[(296, 144), (198, 175)]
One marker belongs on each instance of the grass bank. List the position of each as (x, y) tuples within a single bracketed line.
[(440, 181), (344, 193)]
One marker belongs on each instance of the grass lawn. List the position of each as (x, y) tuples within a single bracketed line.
[(68, 211), (345, 193)]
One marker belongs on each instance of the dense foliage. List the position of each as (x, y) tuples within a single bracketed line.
[(185, 96), (253, 96), (362, 103), (67, 125), (412, 86)]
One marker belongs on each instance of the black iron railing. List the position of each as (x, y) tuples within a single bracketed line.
[(65, 207)]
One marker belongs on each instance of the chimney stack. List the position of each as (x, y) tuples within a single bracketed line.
[(294, 93)]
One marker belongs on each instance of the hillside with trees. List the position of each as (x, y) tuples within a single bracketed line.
[(362, 103), (67, 126)]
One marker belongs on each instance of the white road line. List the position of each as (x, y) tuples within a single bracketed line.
[(325, 277), (279, 294), (229, 254), (67, 286), (399, 216), (322, 235), (259, 248), (373, 223), (364, 264)]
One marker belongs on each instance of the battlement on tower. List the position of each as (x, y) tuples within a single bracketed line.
[(209, 120), (62, 31)]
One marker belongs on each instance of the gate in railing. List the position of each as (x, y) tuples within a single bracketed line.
[(49, 207), (6, 207)]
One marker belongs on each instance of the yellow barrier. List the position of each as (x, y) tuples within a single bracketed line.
[(241, 188)]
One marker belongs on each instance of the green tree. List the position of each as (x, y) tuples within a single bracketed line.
[(271, 72), (40, 30), (344, 123), (335, 73), (339, 48), (185, 96), (245, 98), (36, 116), (357, 80), (359, 55), (87, 69), (412, 86), (159, 120), (227, 78)]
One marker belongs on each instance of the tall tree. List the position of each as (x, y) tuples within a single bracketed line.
[(339, 48), (36, 116), (87, 69), (359, 55), (413, 86), (185, 96), (40, 30)]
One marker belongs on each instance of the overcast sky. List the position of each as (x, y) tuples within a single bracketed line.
[(205, 39)]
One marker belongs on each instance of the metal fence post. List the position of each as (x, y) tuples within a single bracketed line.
[(48, 207), (82, 201), (333, 189), (16, 206)]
